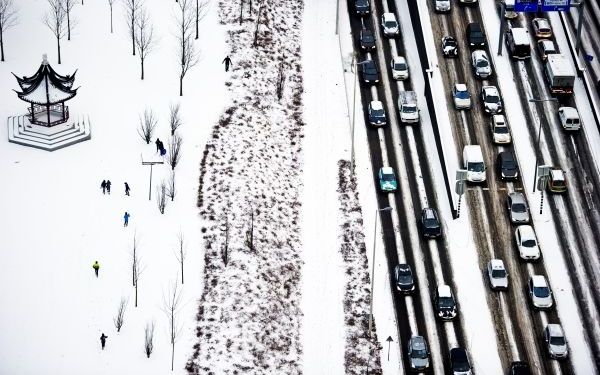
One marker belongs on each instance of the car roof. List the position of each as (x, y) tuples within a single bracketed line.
[(387, 170), (417, 342), (506, 156), (555, 329), (489, 89), (526, 231), (444, 291), (517, 197), (569, 111), (542, 21), (497, 264), (399, 59), (539, 280), (429, 213), (376, 105), (389, 17), (458, 353), (499, 118), (520, 34), (474, 25), (557, 174), (547, 44), (366, 31), (460, 86)]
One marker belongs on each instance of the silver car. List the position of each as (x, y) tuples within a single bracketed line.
[(539, 292), (399, 68), (418, 354), (490, 97), (518, 211), (481, 64), (555, 340)]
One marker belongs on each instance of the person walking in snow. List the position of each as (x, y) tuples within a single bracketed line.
[(96, 267), (103, 186), (127, 189), (108, 186), (226, 61), (103, 340), (158, 144), (126, 219)]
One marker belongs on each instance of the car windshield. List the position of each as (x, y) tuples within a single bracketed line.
[(509, 165), (477, 35), (558, 183), (370, 69), (498, 274), (491, 98), (409, 109), (501, 130), (461, 365), (557, 340), (388, 177), (476, 167), (404, 277), (528, 243), (399, 66), (481, 63), (541, 292), (390, 24), (367, 38), (450, 42), (377, 112), (431, 223), (462, 94), (446, 302), (419, 353), (519, 207)]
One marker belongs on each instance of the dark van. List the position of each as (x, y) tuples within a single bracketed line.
[(475, 36)]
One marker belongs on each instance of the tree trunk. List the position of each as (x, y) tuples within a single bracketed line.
[(142, 60), (182, 271), (133, 42), (69, 25), (111, 22), (1, 47), (58, 42), (181, 85), (241, 11), (172, 337), (136, 286), (197, 20)]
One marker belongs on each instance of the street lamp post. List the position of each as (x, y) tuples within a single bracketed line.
[(353, 114), (537, 151), (373, 266)]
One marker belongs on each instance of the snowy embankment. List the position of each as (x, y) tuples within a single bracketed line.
[(249, 315)]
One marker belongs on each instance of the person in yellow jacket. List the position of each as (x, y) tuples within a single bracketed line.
[(96, 267)]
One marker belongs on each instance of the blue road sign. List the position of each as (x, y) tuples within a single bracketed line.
[(526, 5), (555, 5)]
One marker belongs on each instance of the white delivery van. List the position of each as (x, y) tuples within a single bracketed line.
[(473, 163), (569, 118)]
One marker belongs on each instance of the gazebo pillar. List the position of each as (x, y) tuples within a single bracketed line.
[(48, 113)]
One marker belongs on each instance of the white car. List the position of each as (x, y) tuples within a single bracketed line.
[(461, 96), (499, 128), (497, 274), (527, 243), (481, 64), (390, 25), (539, 292), (399, 68), (490, 97), (556, 342), (442, 5)]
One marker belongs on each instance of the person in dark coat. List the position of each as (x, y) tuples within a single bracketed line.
[(96, 267), (126, 188), (103, 340), (126, 219), (103, 186), (227, 62), (108, 186), (158, 144)]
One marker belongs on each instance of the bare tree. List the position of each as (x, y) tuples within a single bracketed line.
[(68, 5), (241, 11), (257, 24), (181, 252), (137, 268), (171, 186), (55, 20), (186, 51), (174, 149), (8, 19), (110, 4), (280, 80), (174, 117), (131, 13), (144, 36), (161, 200), (147, 125), (149, 338), (119, 318), (171, 302), (201, 6)]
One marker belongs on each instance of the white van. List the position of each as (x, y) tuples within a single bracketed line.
[(473, 163), (569, 118)]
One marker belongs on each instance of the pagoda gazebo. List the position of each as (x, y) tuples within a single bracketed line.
[(47, 92)]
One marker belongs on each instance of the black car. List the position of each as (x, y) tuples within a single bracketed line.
[(430, 223), (405, 281), (376, 113), (519, 368), (362, 6), (367, 39), (444, 303), (507, 166), (475, 36), (370, 73), (459, 361), (449, 46)]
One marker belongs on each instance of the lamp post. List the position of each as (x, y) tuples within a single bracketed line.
[(377, 211), (537, 151), (353, 113)]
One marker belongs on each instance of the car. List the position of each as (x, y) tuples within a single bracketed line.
[(418, 353), (370, 73), (507, 166), (527, 243), (390, 26), (449, 46), (430, 223), (541, 28), (376, 113), (499, 129), (405, 281), (569, 118), (481, 64), (556, 342), (490, 98), (399, 68), (367, 39), (546, 47), (539, 292), (387, 180), (518, 211), (459, 362), (475, 36), (461, 96), (362, 6), (497, 275), (441, 6), (519, 368), (444, 303), (557, 181)]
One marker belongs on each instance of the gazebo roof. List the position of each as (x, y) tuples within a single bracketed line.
[(46, 87)]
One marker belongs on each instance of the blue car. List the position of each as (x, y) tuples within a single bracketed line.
[(387, 180)]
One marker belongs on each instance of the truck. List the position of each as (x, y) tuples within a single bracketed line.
[(560, 74), (407, 106)]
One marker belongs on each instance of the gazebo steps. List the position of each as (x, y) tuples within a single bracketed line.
[(21, 131)]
